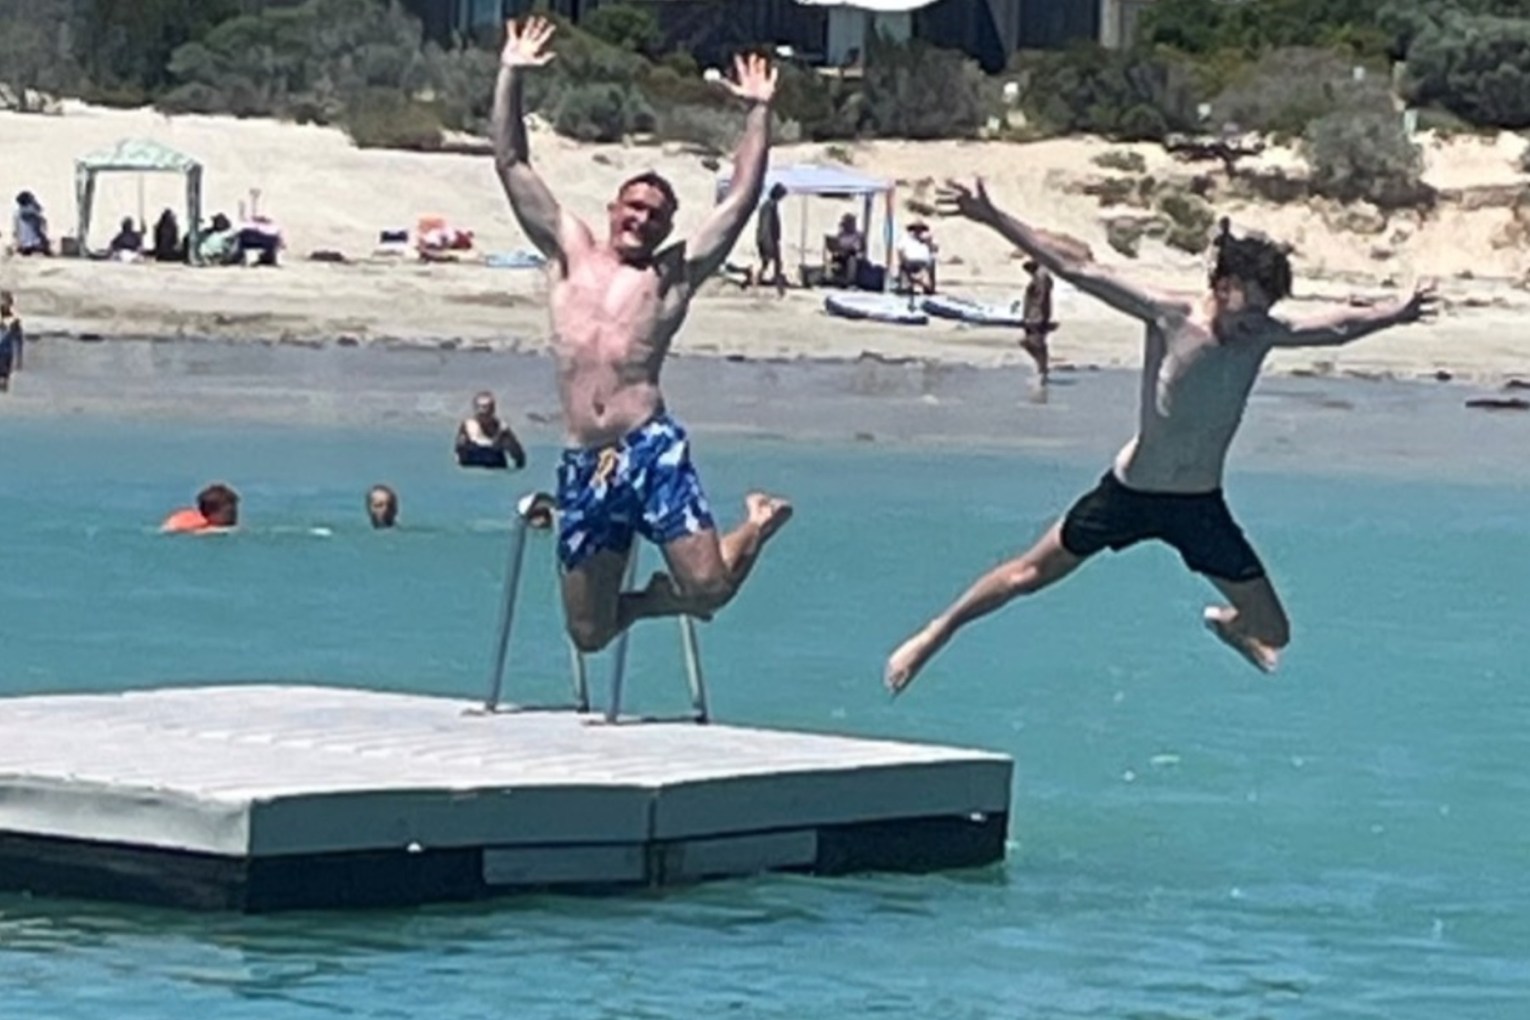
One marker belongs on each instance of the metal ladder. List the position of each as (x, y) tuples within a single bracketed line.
[(578, 665)]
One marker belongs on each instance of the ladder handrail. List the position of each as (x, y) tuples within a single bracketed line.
[(690, 651)]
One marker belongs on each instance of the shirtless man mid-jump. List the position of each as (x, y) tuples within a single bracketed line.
[(616, 305), (1200, 362)]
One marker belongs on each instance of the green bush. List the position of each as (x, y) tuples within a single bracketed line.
[(379, 118), (1287, 89), (1123, 160), (1190, 221), (1368, 157), (1130, 96), (823, 106), (1476, 67), (602, 112), (914, 90), (625, 26)]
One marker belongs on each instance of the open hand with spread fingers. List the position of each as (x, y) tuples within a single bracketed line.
[(526, 44), (754, 78), (955, 199), (1423, 305)]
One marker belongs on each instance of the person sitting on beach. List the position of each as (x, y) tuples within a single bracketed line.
[(846, 249), (128, 242), (382, 506), (11, 340), (616, 305), (167, 238), (30, 226), (767, 240), (217, 510), (483, 441), (916, 259), (219, 246), (1036, 317), (1202, 356)]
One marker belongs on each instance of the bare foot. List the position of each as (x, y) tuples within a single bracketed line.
[(769, 512), (905, 663), (1221, 621)]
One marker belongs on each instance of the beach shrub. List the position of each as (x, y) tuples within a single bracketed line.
[(602, 112), (36, 56), (915, 90), (1190, 220), (1477, 67), (1210, 26), (1123, 160), (828, 109), (1128, 96), (1365, 157), (1287, 89), (386, 119), (625, 26)]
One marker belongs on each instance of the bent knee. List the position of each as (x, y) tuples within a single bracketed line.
[(589, 636), (709, 591)]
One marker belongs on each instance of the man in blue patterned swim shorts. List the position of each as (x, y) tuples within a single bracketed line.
[(616, 306)]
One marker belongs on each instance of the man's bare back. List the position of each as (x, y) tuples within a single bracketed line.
[(1201, 359), (616, 305)]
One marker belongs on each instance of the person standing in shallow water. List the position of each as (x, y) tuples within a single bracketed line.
[(12, 340), (1036, 318), (616, 305), (1202, 355)]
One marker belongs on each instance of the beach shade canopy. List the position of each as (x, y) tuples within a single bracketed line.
[(813, 181), (136, 156)]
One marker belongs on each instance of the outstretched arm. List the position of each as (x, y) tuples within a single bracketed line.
[(755, 83), (535, 208), (1065, 258), (1334, 329)]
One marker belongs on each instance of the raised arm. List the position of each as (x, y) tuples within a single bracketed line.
[(536, 210), (1065, 258), (755, 83), (1336, 328)]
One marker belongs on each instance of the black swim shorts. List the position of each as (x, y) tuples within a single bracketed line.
[(1196, 525)]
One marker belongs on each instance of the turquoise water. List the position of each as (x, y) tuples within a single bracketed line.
[(1189, 839)]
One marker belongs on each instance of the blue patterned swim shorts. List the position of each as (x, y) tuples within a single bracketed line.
[(643, 484)]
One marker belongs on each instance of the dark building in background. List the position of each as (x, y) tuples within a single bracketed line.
[(989, 31)]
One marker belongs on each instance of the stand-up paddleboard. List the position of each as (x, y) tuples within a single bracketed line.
[(875, 307), (949, 306)]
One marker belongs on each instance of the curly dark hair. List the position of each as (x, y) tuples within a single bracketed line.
[(1255, 259)]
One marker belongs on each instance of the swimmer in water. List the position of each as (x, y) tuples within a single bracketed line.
[(484, 441), (616, 305), (1202, 356), (382, 506), (217, 510)]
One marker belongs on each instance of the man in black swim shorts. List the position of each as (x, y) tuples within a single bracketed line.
[(1201, 357)]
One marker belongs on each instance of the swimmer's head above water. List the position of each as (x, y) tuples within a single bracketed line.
[(382, 506), (642, 216), (217, 509)]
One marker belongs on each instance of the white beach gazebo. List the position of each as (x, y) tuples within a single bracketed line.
[(139, 156)]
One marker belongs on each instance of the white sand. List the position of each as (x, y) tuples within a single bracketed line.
[(329, 195)]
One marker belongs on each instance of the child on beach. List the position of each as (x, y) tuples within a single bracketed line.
[(1202, 355)]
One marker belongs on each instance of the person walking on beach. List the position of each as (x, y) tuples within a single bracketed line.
[(1202, 355), (11, 340), (767, 240), (616, 305), (1036, 317)]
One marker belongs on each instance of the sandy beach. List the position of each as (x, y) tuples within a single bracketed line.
[(327, 195)]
